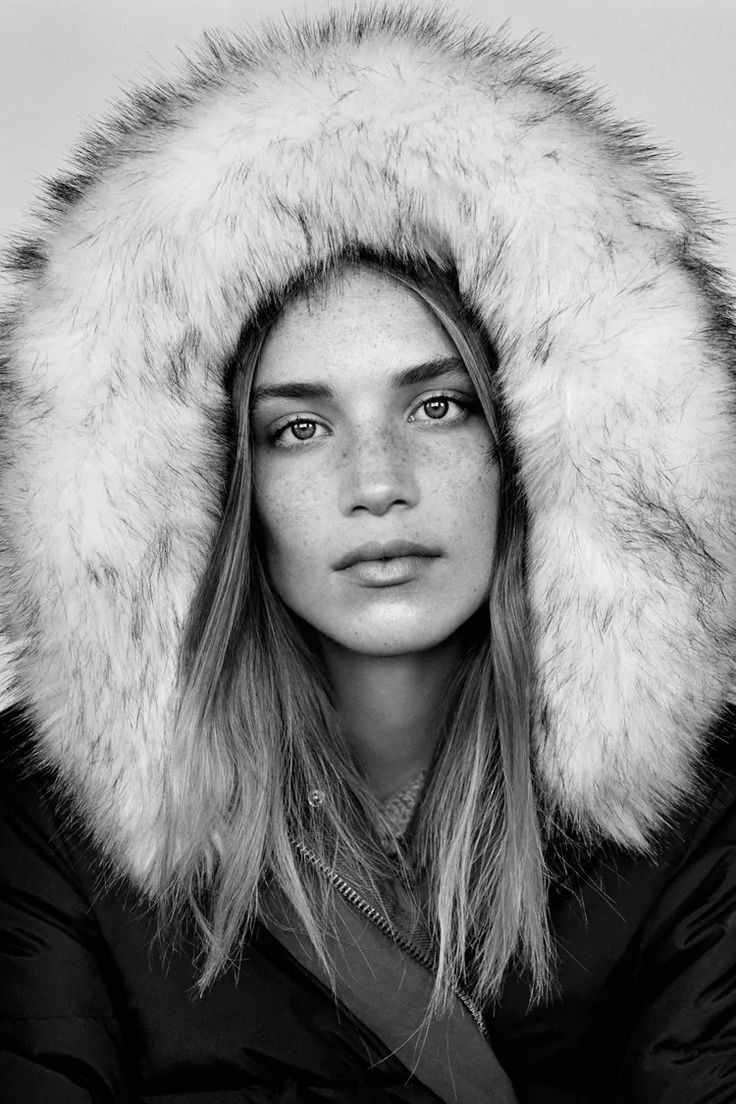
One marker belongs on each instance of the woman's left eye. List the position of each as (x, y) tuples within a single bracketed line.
[(436, 408)]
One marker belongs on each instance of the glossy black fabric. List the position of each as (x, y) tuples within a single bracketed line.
[(645, 1009)]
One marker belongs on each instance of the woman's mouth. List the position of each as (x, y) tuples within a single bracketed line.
[(389, 564), (389, 550)]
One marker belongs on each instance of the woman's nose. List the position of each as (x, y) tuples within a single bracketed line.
[(377, 473)]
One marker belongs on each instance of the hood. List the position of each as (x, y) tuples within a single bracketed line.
[(395, 131)]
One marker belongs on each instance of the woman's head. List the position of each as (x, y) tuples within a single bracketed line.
[(368, 441), (257, 724)]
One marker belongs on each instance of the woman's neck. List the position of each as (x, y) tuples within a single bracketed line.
[(391, 708)]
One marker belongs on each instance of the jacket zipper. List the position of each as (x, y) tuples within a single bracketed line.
[(381, 922)]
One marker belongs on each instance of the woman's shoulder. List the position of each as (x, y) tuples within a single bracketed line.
[(679, 971), (702, 834), (27, 788), (645, 949), (695, 867), (49, 870), (644, 895), (701, 824), (54, 996)]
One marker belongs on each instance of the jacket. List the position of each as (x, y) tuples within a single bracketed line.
[(392, 131), (98, 1006)]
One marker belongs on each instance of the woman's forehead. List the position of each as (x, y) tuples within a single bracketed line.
[(359, 317)]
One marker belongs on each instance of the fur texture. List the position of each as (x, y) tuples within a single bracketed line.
[(396, 130)]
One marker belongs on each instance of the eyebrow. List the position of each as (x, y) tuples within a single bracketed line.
[(425, 372)]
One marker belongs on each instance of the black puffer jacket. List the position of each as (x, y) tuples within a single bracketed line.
[(590, 269), (94, 1008)]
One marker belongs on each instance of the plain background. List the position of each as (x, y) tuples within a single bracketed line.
[(668, 63)]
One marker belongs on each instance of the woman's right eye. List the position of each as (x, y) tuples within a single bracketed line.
[(296, 431)]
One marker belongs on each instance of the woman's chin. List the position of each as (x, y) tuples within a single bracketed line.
[(393, 641)]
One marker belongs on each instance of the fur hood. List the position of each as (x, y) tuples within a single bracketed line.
[(400, 131)]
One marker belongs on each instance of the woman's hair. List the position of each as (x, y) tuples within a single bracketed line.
[(258, 732)]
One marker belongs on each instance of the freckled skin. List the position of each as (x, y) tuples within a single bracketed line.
[(376, 468)]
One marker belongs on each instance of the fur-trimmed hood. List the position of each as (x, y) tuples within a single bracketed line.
[(394, 131)]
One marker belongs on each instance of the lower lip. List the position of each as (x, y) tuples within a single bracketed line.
[(393, 572)]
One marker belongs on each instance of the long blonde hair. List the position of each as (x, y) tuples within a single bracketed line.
[(258, 732)]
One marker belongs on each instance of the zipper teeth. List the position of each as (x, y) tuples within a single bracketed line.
[(353, 897)]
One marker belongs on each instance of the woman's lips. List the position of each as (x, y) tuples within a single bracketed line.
[(375, 551), (388, 572), (386, 564)]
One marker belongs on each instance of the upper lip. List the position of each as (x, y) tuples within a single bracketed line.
[(375, 550)]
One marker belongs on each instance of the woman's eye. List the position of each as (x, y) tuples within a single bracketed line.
[(288, 434), (438, 407), (303, 431)]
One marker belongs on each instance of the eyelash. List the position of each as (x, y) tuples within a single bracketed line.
[(463, 402)]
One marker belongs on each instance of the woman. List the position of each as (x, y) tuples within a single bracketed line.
[(368, 595)]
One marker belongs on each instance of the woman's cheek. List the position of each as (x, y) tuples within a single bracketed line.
[(466, 474), (290, 507)]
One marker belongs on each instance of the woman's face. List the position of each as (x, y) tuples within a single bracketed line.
[(374, 476)]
